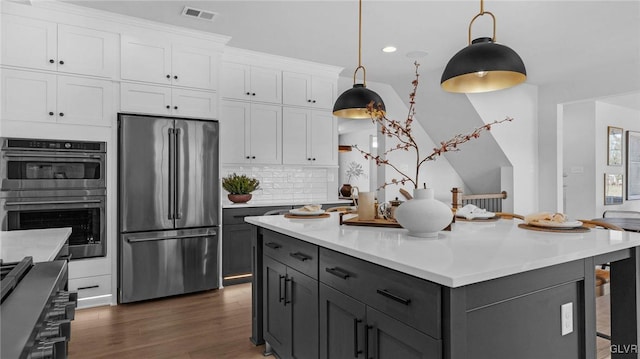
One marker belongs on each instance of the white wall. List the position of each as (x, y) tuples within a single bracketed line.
[(579, 159), (518, 138)]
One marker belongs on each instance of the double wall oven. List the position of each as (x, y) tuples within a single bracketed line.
[(52, 184)]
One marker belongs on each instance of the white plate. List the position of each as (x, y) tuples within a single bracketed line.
[(552, 224), (301, 212), (485, 215)]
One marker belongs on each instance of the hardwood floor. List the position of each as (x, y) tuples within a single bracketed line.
[(214, 324)]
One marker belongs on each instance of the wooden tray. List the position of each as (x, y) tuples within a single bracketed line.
[(376, 222), (296, 216), (581, 229), (492, 219)]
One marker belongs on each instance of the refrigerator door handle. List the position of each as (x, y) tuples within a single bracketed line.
[(150, 239), (172, 168), (178, 209)]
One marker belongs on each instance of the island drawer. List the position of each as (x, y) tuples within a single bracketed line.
[(411, 300), (297, 254), (236, 215), (91, 286)]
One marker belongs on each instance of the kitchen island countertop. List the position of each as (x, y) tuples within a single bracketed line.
[(228, 204), (41, 244), (470, 253)]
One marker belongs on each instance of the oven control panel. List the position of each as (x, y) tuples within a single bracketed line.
[(40, 144)]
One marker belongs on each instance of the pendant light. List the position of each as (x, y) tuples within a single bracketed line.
[(353, 102), (484, 65)]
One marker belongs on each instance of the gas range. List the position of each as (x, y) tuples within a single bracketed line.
[(36, 309)]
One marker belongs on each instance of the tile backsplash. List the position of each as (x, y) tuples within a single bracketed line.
[(290, 184)]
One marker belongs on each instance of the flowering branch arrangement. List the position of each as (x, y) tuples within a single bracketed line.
[(402, 132)]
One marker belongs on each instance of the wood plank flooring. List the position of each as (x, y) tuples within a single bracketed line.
[(213, 325)]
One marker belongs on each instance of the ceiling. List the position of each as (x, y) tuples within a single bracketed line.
[(557, 40)]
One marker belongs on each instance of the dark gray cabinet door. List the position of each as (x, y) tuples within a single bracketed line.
[(302, 300), (277, 316), (236, 249), (389, 338), (342, 323)]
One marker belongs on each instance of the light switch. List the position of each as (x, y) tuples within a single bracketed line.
[(566, 312)]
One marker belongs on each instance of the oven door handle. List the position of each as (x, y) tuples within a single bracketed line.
[(52, 202), (52, 155)]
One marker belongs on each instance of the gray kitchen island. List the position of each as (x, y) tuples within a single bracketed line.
[(481, 290)]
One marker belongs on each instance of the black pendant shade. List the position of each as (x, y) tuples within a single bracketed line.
[(483, 66), (353, 103)]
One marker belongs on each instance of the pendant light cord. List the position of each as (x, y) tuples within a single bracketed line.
[(364, 71), (482, 12)]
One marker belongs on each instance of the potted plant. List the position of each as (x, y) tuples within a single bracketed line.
[(354, 170), (239, 187)]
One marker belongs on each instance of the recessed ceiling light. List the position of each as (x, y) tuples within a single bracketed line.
[(389, 49)]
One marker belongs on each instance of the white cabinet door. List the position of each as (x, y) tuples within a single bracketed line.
[(323, 92), (194, 67), (323, 137), (86, 51), (145, 98), (266, 134), (28, 43), (266, 85), (28, 96), (146, 59), (234, 81), (235, 121), (295, 136), (296, 89), (194, 103), (83, 101)]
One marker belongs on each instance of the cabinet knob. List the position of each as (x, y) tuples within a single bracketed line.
[(308, 100), (314, 159), (168, 76), (175, 107), (308, 158), (248, 93), (168, 107), (253, 94), (314, 101), (253, 157), (175, 77), (61, 62), (51, 61), (50, 113), (248, 157), (61, 114)]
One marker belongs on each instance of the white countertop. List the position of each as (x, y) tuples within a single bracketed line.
[(228, 204), (471, 252), (41, 244)]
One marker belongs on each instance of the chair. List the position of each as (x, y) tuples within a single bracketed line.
[(490, 201)]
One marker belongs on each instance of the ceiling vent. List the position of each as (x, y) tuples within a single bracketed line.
[(199, 14)]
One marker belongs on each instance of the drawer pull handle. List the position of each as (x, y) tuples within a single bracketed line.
[(89, 287), (280, 297), (273, 245), (390, 295), (300, 256), (338, 272)]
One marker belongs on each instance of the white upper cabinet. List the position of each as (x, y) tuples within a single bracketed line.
[(44, 45), (163, 100), (42, 97), (299, 89), (309, 137), (251, 83), (169, 61), (250, 133)]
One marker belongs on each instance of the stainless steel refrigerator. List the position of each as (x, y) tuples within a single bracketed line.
[(168, 199)]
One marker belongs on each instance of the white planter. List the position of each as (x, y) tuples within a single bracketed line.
[(423, 216)]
